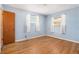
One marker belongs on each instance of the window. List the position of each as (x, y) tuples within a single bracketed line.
[(35, 19), (58, 23), (32, 19)]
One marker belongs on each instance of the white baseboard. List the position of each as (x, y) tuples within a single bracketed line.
[(49, 36), (63, 38), (20, 40), (28, 38), (38, 36)]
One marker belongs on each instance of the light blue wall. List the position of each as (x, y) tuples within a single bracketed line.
[(20, 23), (72, 24), (0, 6)]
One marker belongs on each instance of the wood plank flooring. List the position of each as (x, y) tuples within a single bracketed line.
[(42, 45)]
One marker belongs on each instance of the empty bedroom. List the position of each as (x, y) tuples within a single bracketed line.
[(39, 28)]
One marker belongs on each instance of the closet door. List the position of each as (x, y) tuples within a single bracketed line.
[(0, 29), (8, 27)]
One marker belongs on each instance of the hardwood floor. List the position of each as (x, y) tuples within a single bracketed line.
[(42, 45)]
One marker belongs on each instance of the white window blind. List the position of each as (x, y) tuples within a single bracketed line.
[(52, 25), (28, 22), (37, 23), (63, 24)]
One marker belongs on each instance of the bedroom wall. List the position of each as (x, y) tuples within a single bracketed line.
[(20, 23), (0, 6), (72, 24)]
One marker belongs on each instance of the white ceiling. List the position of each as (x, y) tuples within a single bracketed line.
[(45, 8)]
